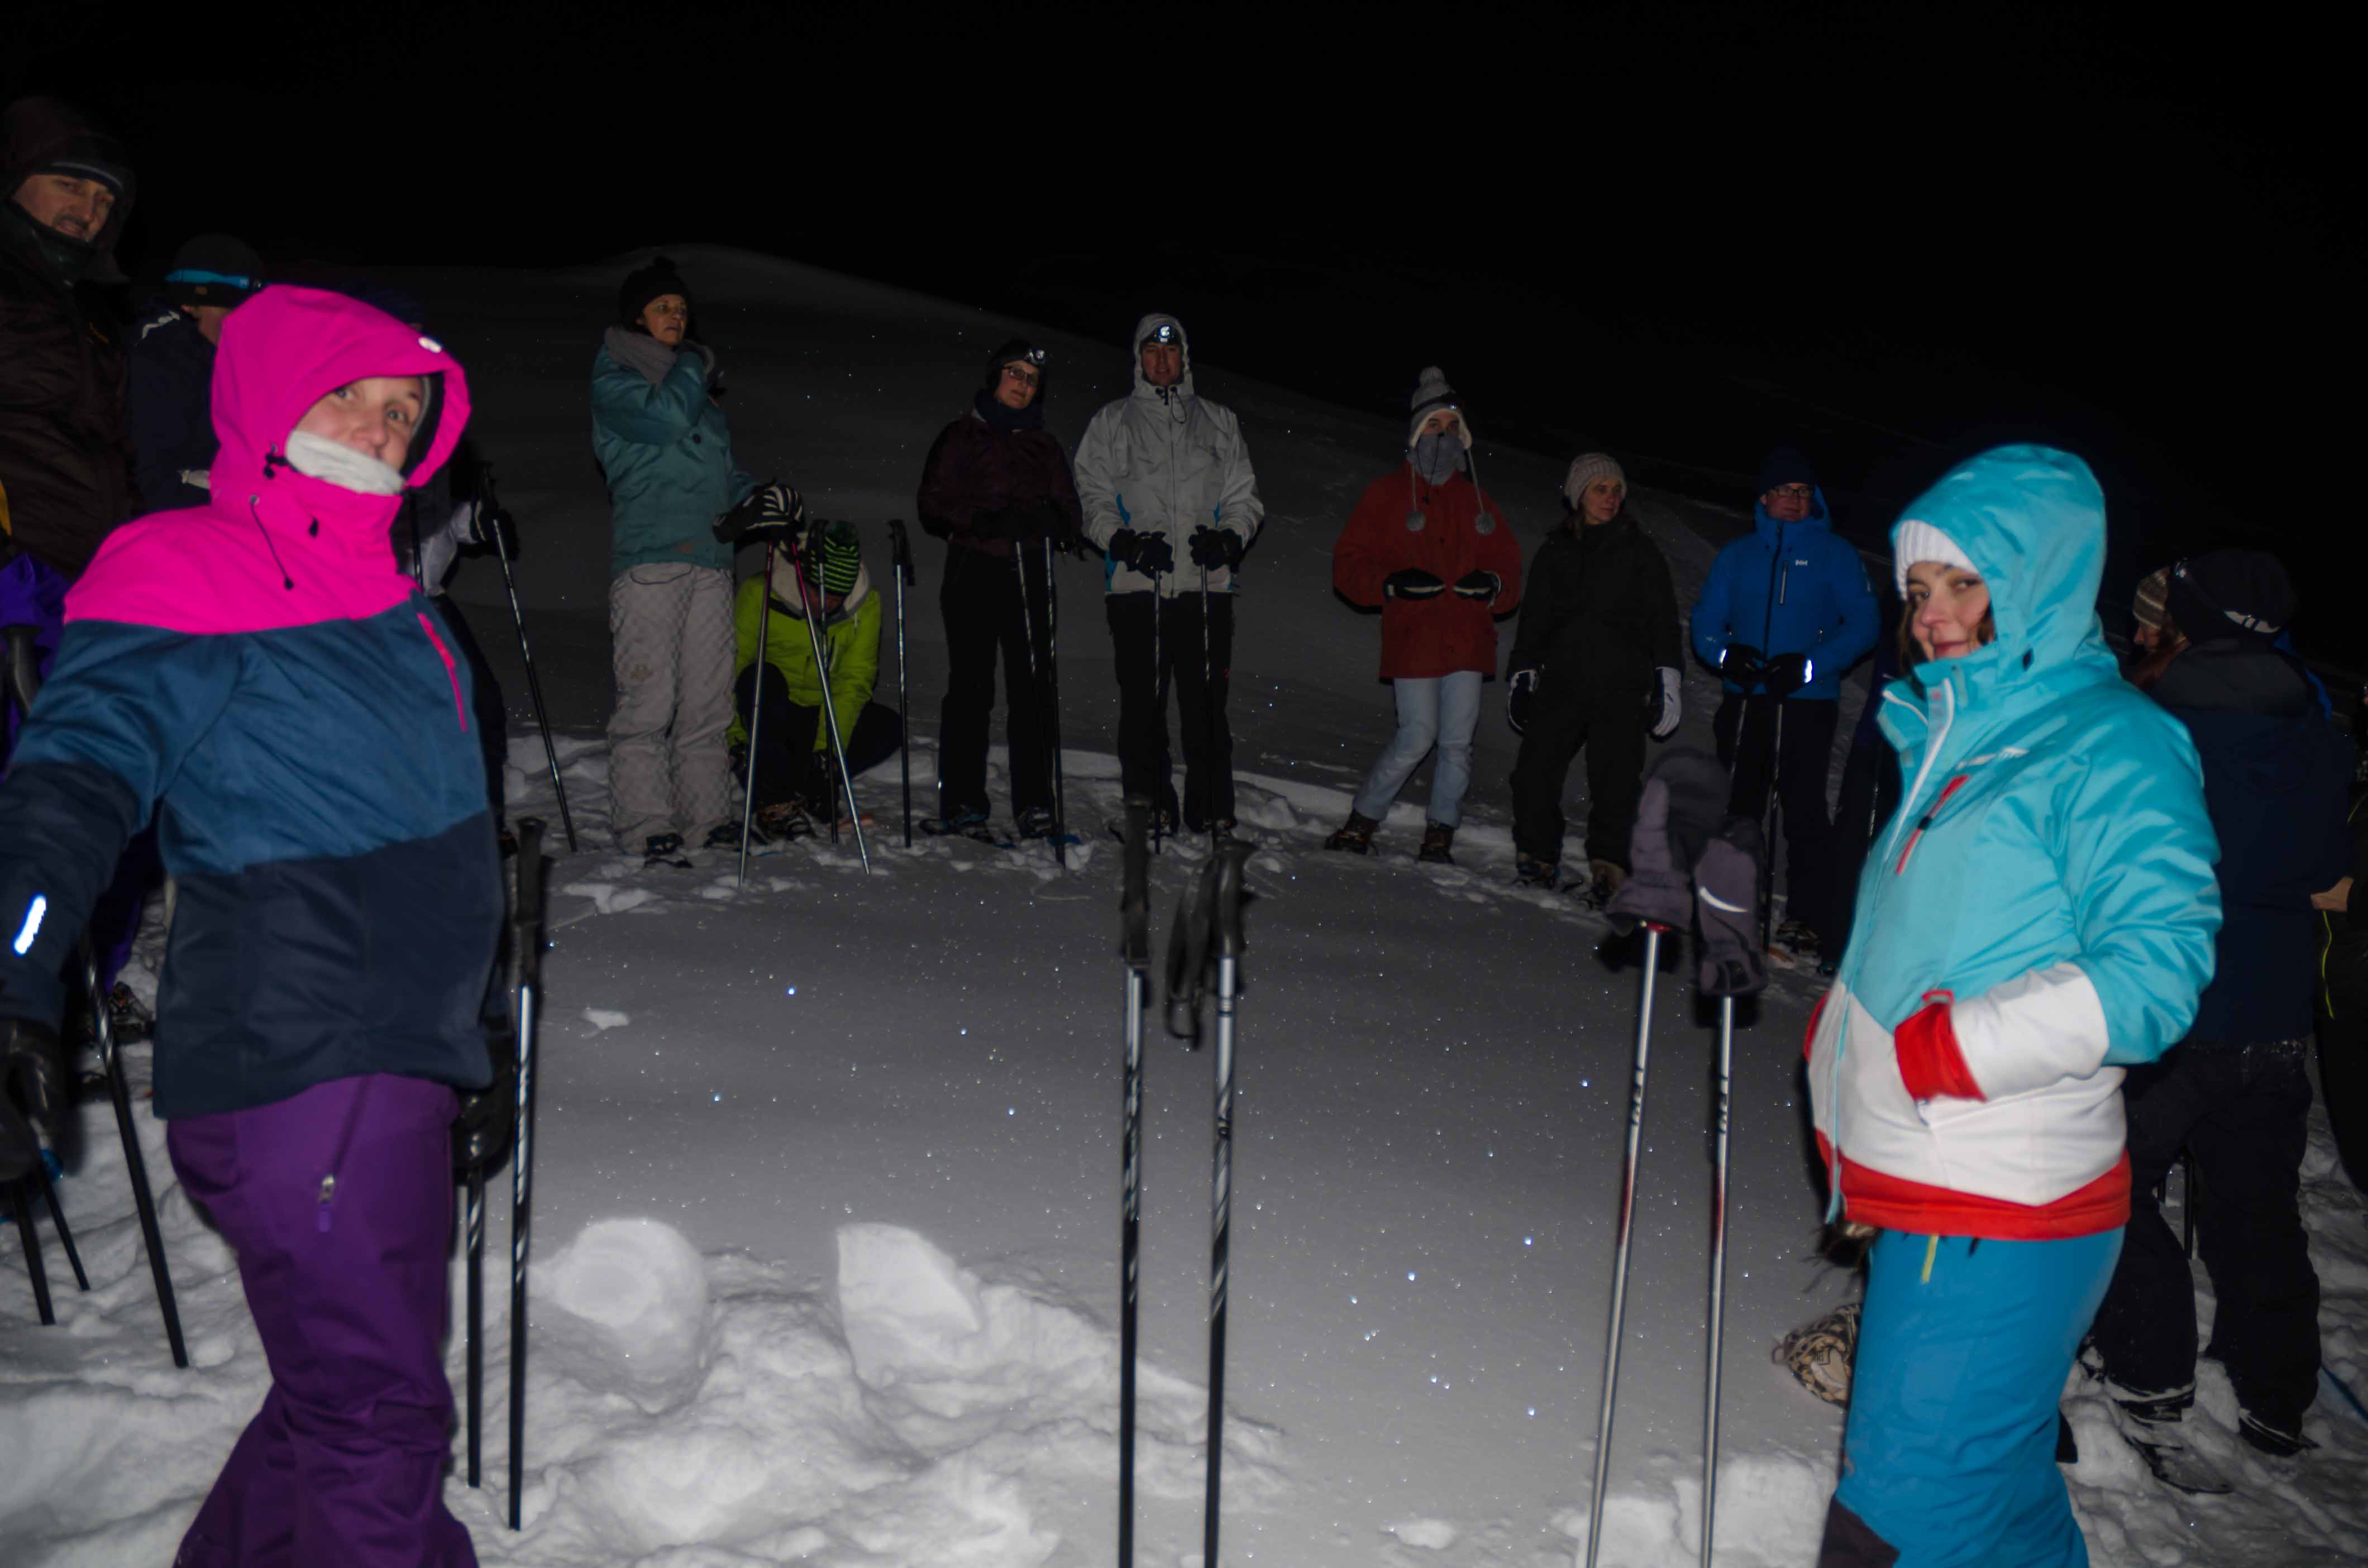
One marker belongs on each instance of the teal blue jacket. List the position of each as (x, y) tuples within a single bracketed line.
[(2049, 868), (667, 451)]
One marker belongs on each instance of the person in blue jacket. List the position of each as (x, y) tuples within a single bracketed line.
[(1785, 611), (666, 449), (2037, 916)]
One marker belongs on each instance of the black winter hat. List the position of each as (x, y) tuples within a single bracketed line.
[(2231, 593), (645, 283), (215, 269), (1787, 464), (1013, 348)]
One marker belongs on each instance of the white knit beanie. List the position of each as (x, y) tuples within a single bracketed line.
[(1913, 542), (1585, 469), (1432, 394)]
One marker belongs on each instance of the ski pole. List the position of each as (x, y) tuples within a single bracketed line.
[(1717, 1275), (25, 685), (58, 1219), (529, 983), (1208, 717), (810, 598), (1135, 949), (1035, 673), (495, 518), (1159, 704), (472, 1228), (1620, 1259), (1775, 817), (901, 560), (755, 709), (1052, 700), (1226, 938)]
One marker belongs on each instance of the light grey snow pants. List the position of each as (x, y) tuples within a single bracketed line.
[(670, 629)]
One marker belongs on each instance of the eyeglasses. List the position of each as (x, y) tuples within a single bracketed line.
[(1012, 372), (1795, 492)]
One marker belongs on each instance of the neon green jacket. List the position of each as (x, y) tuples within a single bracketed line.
[(850, 640)]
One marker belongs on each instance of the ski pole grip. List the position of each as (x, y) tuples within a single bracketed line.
[(24, 666), (1134, 899), (529, 878), (901, 549), (1231, 897)]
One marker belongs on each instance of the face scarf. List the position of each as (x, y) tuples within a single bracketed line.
[(1437, 456)]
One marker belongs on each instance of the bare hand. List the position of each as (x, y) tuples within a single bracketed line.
[(2337, 897)]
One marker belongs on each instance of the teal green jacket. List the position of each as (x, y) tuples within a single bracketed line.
[(667, 451)]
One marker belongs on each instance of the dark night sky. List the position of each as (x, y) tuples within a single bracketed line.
[(1679, 233)]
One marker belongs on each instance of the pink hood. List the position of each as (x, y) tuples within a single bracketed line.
[(275, 546)]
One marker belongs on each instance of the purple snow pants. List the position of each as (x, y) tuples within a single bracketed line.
[(344, 1464)]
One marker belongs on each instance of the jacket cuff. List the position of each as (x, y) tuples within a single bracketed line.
[(1930, 1063)]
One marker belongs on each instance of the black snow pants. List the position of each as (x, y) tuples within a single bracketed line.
[(1871, 790), (1746, 730), (787, 766), (2343, 1085), (986, 614), (1607, 717), (1142, 754), (2240, 1110)]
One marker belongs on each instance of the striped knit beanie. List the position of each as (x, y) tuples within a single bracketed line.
[(1432, 394), (840, 558), (2152, 601), (1585, 469)]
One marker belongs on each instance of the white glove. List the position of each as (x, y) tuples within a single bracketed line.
[(1671, 707)]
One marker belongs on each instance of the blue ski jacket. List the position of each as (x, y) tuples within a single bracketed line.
[(2048, 875), (1822, 604)]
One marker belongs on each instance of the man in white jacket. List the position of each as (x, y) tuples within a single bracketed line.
[(1170, 499)]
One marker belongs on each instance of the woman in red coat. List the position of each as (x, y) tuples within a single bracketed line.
[(1428, 549)]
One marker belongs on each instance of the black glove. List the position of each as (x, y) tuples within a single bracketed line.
[(1213, 547), (1412, 583), (481, 1133), (494, 527), (1788, 672), (1727, 902), (1521, 696), (770, 516), (1148, 553), (1481, 585), (1742, 664), (33, 1093)]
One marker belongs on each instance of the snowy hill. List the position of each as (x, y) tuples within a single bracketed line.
[(826, 1167)]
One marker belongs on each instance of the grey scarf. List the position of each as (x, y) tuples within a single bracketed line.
[(640, 351)]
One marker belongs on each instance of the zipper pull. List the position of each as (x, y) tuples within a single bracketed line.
[(328, 1193)]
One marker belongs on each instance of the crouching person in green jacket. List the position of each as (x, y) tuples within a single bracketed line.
[(796, 779), (678, 501)]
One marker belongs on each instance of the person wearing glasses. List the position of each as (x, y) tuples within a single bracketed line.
[(1785, 610), (173, 441), (1170, 498), (997, 489)]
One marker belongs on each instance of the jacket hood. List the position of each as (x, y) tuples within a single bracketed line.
[(37, 133), (283, 351), (1144, 329), (1765, 526), (783, 583), (2032, 520)]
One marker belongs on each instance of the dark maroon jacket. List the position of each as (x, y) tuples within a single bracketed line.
[(975, 469)]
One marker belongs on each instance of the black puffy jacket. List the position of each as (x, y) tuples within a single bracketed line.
[(65, 443), (1598, 609)]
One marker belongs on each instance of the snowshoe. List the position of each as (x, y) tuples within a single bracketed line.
[(785, 822), (1354, 836), (664, 850), (1820, 1353), (1795, 938), (1529, 871), (966, 825), (2277, 1442), (1438, 843), (726, 836), (127, 1017), (2152, 1425)]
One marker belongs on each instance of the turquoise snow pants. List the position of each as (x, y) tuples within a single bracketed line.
[(1949, 1457)]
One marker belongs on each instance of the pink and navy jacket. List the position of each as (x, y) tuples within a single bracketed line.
[(259, 676)]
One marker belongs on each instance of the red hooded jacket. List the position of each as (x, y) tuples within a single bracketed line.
[(1460, 531)]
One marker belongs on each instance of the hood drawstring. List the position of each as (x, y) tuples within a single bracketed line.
[(254, 510)]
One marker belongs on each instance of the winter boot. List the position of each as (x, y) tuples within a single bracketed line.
[(2152, 1425), (663, 850), (2280, 1442), (1603, 880), (1355, 836), (785, 821), (726, 836), (1032, 824), (1437, 840), (1529, 871)]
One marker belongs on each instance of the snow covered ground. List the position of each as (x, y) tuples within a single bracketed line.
[(827, 1166)]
